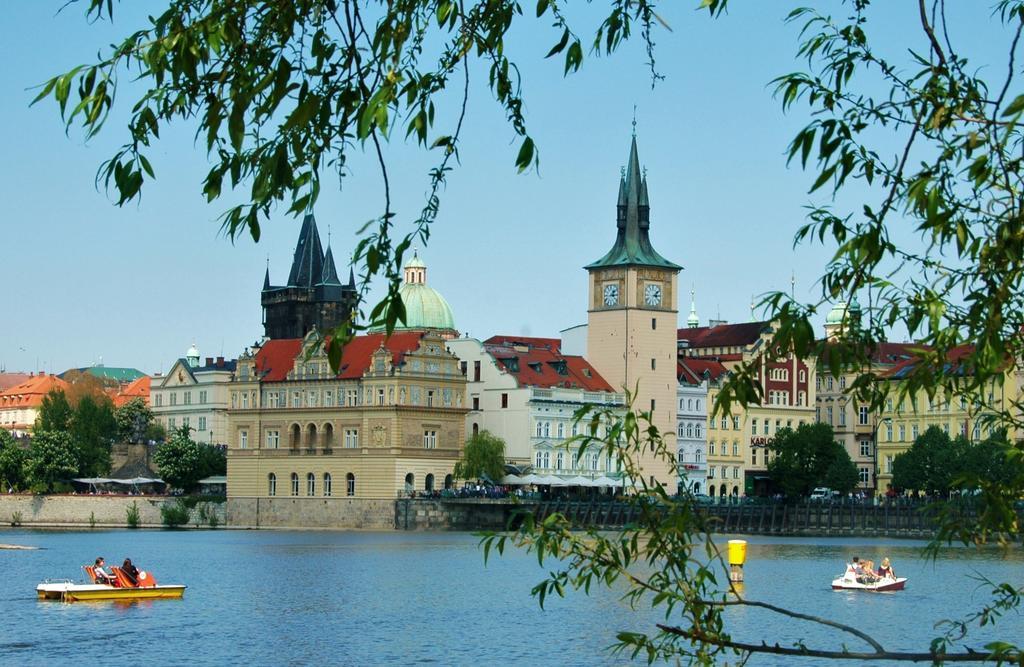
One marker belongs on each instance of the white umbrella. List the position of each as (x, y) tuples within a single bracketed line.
[(514, 480), (580, 480), (531, 479), (550, 480), (604, 480)]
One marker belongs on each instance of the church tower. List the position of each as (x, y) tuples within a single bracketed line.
[(314, 296), (632, 318)]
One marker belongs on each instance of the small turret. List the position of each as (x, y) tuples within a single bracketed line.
[(192, 356)]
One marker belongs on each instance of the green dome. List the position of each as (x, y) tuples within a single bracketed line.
[(425, 308), (836, 315)]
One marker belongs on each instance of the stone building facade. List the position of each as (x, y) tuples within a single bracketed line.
[(194, 394), (392, 421)]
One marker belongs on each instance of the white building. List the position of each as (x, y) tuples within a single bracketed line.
[(194, 395), (692, 414), (525, 391)]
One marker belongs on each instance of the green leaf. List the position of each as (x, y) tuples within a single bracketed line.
[(526, 155)]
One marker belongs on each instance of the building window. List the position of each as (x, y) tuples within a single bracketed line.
[(697, 431), (735, 423), (476, 371), (561, 430), (327, 485), (888, 431), (864, 474), (547, 429), (903, 432), (186, 422), (351, 438), (380, 396), (171, 422), (654, 323), (296, 399), (865, 448), (711, 472), (680, 429), (159, 400), (559, 461), (310, 484), (828, 383), (188, 398), (271, 484), (202, 396), (243, 439), (828, 413), (654, 364), (735, 449), (476, 402), (273, 439), (295, 484), (652, 406), (803, 375), (862, 415), (350, 485), (430, 439), (842, 382), (753, 456), (842, 415), (689, 429), (915, 431), (764, 430), (546, 457), (540, 429), (735, 473), (202, 423), (753, 427), (725, 423), (174, 398), (711, 449)]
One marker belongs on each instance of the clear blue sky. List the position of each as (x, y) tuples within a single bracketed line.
[(85, 280)]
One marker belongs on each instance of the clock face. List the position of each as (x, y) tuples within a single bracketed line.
[(611, 295), (652, 294)]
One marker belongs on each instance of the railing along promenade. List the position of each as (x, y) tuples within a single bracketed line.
[(890, 518)]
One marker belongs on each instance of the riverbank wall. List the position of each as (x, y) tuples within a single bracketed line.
[(81, 511)]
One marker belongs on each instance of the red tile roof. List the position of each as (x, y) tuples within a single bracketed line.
[(544, 365), (8, 380), (29, 394), (723, 335), (277, 357), (136, 389), (954, 357), (692, 370), (527, 341)]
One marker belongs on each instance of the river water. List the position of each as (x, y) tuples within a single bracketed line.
[(355, 598)]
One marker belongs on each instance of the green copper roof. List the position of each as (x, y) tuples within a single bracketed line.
[(632, 243), (425, 308), (836, 315)]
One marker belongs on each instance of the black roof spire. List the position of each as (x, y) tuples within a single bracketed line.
[(330, 273), (308, 263)]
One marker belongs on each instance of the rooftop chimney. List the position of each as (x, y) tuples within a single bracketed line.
[(220, 362), (209, 361)]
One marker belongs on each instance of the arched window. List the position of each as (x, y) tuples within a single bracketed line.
[(295, 484), (697, 456), (476, 428), (428, 483), (311, 436), (295, 433), (410, 482), (449, 482), (721, 490), (327, 485), (547, 460), (310, 484), (561, 430), (696, 487), (689, 404), (698, 405), (711, 490), (689, 430), (735, 492), (540, 429), (680, 429), (271, 484), (559, 461), (328, 436), (547, 429), (698, 432), (350, 484), (593, 461), (540, 460)]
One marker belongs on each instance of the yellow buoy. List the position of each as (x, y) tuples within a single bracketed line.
[(737, 556), (737, 552)]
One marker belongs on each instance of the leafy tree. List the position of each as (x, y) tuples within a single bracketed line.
[(51, 460), (932, 464), (55, 412), (182, 461), (133, 421), (482, 457), (809, 457), (155, 432), (12, 463), (93, 429)]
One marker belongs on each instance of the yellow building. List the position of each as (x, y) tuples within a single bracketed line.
[(391, 421), (903, 419)]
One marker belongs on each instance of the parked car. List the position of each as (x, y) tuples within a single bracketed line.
[(821, 494)]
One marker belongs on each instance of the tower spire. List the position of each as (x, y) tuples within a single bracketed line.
[(693, 321)]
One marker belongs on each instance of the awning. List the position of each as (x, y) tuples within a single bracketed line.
[(216, 479), (607, 481)]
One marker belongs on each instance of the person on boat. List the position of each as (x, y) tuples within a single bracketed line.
[(853, 568), (867, 574), (886, 571), (130, 571), (102, 576)]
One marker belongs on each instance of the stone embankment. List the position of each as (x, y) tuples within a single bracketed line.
[(85, 511)]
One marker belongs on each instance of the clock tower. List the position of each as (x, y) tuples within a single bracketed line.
[(632, 318)]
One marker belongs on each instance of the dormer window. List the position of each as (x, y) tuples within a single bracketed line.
[(560, 367), (535, 365)]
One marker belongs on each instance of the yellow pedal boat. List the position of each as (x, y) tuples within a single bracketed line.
[(122, 588)]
